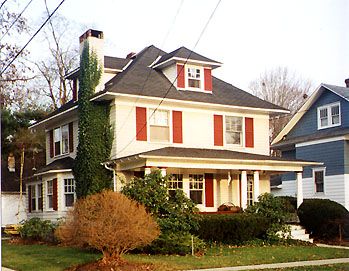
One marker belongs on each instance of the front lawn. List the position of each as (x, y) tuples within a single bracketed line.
[(41, 257)]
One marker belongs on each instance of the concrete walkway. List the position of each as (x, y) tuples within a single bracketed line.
[(6, 269), (277, 265)]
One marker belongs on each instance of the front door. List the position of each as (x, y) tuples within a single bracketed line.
[(209, 198)]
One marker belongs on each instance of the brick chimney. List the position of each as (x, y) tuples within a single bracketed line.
[(95, 39), (347, 82)]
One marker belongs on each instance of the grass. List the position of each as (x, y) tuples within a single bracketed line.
[(41, 257), (332, 267)]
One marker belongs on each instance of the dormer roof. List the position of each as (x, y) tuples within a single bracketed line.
[(184, 55)]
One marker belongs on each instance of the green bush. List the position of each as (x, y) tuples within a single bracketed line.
[(36, 229), (317, 216), (232, 229), (176, 243), (290, 203)]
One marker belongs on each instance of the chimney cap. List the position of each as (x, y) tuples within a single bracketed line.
[(91, 33), (131, 55), (347, 82)]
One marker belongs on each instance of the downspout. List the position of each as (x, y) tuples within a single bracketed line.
[(114, 175)]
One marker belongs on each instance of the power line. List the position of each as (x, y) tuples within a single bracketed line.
[(3, 3), (158, 54), (49, 17), (16, 19), (172, 83)]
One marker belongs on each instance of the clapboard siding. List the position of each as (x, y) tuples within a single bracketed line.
[(346, 158), (308, 123), (331, 154), (333, 187)]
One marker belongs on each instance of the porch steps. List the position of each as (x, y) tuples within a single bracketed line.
[(298, 233)]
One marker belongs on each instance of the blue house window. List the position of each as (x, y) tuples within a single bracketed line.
[(319, 178), (329, 115)]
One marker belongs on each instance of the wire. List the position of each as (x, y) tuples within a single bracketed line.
[(3, 3), (49, 17), (16, 19), (150, 70), (172, 84)]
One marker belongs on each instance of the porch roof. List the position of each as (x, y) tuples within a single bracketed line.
[(60, 165), (209, 159)]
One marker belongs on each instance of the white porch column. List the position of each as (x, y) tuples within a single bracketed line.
[(163, 171), (147, 170), (299, 189), (255, 186), (243, 189)]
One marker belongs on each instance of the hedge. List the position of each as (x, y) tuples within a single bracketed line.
[(232, 229), (318, 215)]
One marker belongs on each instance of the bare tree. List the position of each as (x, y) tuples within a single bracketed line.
[(281, 87), (63, 57), (14, 92)]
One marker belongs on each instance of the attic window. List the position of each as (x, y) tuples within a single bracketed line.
[(194, 78), (329, 116)]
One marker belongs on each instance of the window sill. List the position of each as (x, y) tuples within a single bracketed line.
[(195, 90), (330, 126)]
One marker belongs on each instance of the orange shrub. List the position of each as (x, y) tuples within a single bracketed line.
[(110, 223)]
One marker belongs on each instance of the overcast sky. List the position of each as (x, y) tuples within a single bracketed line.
[(249, 37)]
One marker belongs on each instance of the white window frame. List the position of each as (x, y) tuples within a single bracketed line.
[(49, 194), (195, 182), (69, 189), (155, 122), (60, 140), (202, 79), (33, 196), (328, 108), (242, 133), (320, 169), (175, 182), (250, 189)]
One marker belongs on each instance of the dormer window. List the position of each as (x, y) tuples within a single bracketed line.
[(194, 78), (329, 116)]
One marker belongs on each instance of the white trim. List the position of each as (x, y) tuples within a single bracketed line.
[(328, 108), (128, 64), (53, 171), (54, 116), (192, 102), (316, 169), (188, 60), (321, 141)]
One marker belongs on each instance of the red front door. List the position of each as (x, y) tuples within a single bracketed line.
[(209, 198)]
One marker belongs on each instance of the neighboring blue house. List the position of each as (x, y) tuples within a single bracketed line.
[(319, 131)]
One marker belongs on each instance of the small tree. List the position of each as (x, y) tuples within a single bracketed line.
[(110, 223)]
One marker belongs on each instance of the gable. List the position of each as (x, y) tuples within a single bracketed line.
[(305, 121)]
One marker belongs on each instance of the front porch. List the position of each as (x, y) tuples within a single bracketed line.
[(210, 177)]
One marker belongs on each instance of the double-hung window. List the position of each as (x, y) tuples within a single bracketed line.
[(33, 197), (159, 126), (194, 77), (329, 116), (61, 140), (196, 187), (249, 190), (174, 183), (69, 192), (233, 130), (49, 193), (40, 196), (319, 177)]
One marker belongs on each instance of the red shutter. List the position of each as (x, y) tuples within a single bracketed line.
[(55, 195), (208, 79), (209, 197), (71, 137), (249, 134), (141, 123), (180, 76), (51, 144), (177, 127), (30, 198), (75, 89), (218, 130)]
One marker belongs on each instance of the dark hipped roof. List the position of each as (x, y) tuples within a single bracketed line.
[(208, 154), (140, 79), (184, 53), (60, 164)]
